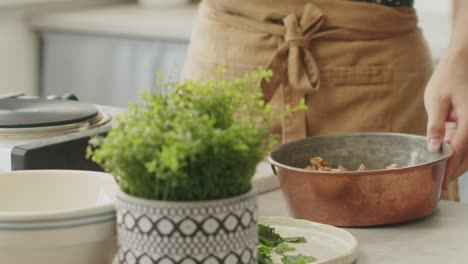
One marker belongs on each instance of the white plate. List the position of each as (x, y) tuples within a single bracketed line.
[(328, 244)]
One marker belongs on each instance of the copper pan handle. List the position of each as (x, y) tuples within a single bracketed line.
[(273, 168)]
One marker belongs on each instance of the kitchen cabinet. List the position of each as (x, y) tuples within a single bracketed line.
[(109, 70), (19, 45), (109, 55)]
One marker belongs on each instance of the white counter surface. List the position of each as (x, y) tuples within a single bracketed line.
[(439, 238), (128, 19)]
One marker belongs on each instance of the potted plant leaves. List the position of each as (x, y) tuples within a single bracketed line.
[(184, 159)]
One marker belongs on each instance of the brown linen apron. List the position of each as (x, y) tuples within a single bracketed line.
[(360, 67)]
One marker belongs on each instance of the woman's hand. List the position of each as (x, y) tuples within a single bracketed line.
[(446, 101), (446, 98)]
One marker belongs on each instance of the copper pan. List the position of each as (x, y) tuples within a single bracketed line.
[(374, 197)]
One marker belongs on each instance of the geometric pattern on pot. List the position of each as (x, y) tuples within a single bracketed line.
[(198, 245), (246, 256), (187, 226), (206, 232)]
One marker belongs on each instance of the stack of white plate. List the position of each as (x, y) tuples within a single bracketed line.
[(57, 217)]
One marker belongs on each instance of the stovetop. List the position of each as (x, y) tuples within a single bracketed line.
[(50, 133), (38, 112), (27, 119)]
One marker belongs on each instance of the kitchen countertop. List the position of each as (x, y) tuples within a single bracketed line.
[(128, 19), (439, 238)]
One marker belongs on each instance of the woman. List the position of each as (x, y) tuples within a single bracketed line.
[(359, 66)]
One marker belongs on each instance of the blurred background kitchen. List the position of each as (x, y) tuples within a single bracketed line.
[(107, 51)]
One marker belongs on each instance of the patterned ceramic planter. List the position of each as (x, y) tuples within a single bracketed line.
[(208, 232)]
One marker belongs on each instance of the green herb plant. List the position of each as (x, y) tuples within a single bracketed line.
[(269, 241), (195, 140)]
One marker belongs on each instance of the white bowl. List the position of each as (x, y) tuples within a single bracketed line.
[(57, 216)]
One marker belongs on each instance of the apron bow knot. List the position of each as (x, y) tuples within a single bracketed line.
[(294, 57), (301, 42)]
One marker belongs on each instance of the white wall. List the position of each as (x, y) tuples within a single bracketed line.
[(19, 45), (433, 5), (18, 52), (435, 20)]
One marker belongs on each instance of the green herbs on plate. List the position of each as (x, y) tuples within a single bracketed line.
[(269, 241), (297, 259), (268, 237), (294, 239)]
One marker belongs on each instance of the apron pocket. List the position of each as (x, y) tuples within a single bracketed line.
[(352, 99)]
